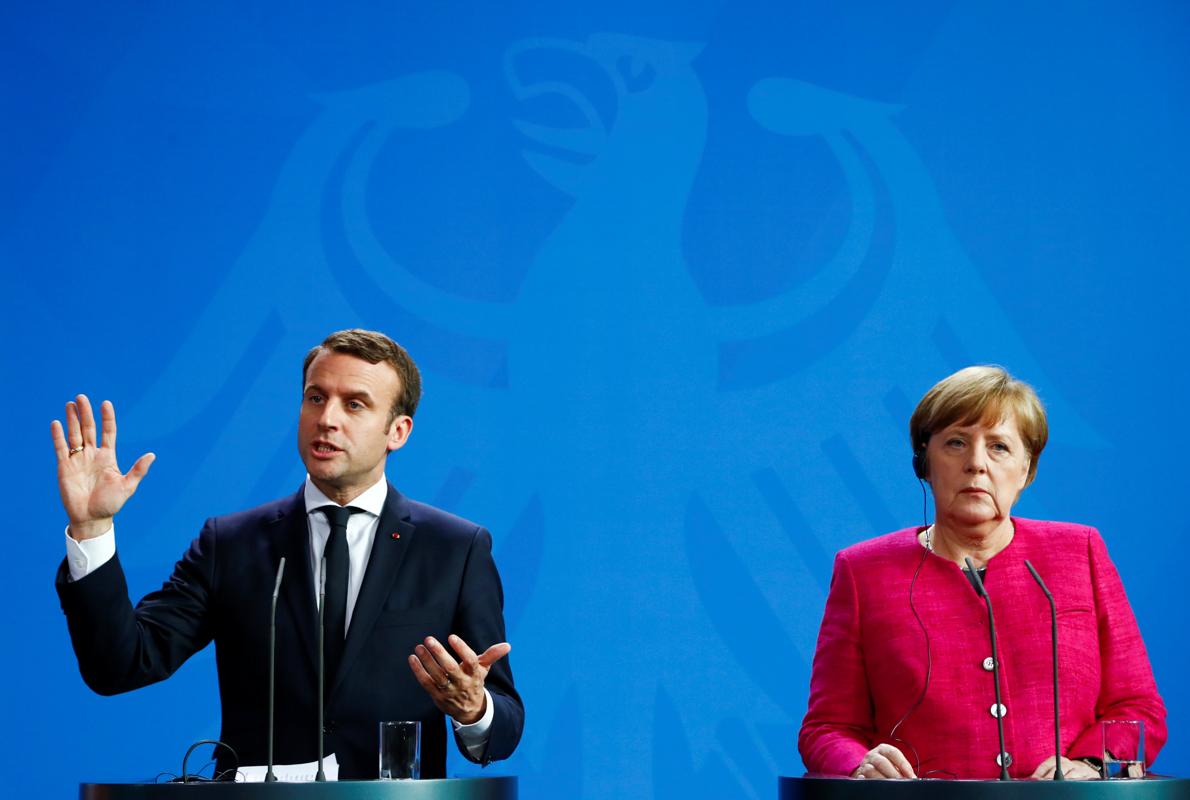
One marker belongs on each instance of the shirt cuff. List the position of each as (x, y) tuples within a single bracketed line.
[(474, 737), (83, 558)]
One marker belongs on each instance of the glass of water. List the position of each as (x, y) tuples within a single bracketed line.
[(400, 751), (1123, 749)]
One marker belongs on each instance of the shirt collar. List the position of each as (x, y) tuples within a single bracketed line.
[(371, 501)]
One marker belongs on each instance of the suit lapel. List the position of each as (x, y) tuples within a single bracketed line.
[(394, 534), (291, 539)]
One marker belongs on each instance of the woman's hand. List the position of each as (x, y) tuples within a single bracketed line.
[(884, 761), (1072, 768)]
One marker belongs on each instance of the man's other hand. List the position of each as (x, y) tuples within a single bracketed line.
[(92, 487), (455, 686)]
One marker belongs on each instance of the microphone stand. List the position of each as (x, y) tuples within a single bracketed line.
[(270, 777), (1058, 776), (321, 776), (995, 665)]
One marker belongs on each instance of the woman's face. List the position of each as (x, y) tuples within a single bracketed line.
[(977, 471)]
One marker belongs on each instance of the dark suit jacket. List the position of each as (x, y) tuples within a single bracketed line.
[(430, 573)]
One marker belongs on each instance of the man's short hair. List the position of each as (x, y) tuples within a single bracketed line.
[(375, 347), (985, 394)]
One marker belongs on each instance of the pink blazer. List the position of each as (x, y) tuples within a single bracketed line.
[(871, 663)]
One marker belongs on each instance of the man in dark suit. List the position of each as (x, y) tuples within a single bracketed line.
[(401, 578)]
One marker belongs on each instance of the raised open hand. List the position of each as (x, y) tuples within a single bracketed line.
[(92, 487)]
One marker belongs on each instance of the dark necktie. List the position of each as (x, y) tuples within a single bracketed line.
[(337, 560)]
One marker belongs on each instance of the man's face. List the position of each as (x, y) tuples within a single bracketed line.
[(343, 432)]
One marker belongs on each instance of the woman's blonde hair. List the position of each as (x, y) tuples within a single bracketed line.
[(979, 394)]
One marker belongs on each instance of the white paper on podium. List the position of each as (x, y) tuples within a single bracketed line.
[(291, 773)]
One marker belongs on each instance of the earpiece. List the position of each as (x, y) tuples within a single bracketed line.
[(920, 467)]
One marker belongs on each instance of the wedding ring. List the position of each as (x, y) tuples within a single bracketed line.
[(78, 449)]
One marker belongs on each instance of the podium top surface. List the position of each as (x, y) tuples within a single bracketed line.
[(824, 788), (502, 788)]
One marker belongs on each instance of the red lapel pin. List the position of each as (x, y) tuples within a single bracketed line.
[(396, 536)]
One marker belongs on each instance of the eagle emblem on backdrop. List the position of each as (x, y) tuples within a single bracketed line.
[(601, 410)]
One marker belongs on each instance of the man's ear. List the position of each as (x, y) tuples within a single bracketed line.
[(398, 432)]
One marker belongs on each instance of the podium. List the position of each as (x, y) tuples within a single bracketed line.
[(504, 788), (813, 788)]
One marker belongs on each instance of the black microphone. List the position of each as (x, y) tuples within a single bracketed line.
[(1058, 776), (269, 776), (1003, 758), (321, 776)]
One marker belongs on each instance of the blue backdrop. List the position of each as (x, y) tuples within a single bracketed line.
[(675, 272)]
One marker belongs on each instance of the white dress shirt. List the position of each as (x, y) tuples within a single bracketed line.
[(361, 532), (83, 558)]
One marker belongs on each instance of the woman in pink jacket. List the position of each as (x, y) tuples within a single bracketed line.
[(902, 683)]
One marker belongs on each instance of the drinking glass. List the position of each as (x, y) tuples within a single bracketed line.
[(1123, 749), (400, 751)]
